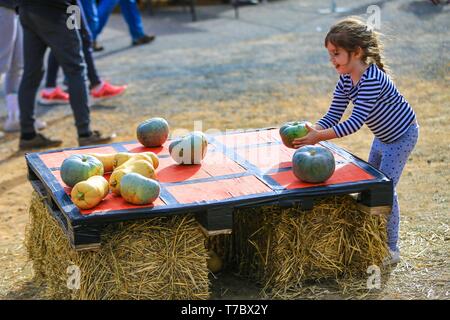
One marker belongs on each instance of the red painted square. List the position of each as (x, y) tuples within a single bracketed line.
[(268, 157), (272, 157), (117, 203), (344, 173), (55, 159), (247, 138), (137, 147), (213, 165), (218, 190)]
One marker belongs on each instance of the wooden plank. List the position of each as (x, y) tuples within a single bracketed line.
[(211, 233), (379, 210), (383, 210)]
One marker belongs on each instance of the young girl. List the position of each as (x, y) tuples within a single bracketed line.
[(356, 53)]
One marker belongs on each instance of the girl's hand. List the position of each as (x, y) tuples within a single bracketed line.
[(311, 138)]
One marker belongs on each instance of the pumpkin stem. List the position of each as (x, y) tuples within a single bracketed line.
[(80, 196)]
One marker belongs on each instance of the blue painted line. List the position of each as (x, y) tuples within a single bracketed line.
[(259, 145), (119, 147), (209, 179), (167, 197)]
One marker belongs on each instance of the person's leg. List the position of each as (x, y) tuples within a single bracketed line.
[(67, 46), (33, 54), (52, 94), (11, 64), (100, 90), (14, 73), (375, 153), (86, 38), (52, 71), (9, 30), (105, 9), (49, 26), (69, 54), (394, 158), (131, 14), (89, 8), (12, 56)]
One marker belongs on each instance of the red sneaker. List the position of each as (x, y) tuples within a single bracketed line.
[(105, 90), (53, 96)]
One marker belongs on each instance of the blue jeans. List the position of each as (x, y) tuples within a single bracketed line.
[(90, 13), (129, 11), (390, 158)]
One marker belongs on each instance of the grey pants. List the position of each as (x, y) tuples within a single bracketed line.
[(11, 57)]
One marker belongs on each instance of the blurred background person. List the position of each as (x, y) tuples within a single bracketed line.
[(45, 24), (130, 12), (11, 64), (99, 89)]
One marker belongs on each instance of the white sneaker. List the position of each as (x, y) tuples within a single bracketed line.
[(40, 124), (11, 125), (393, 258), (14, 125)]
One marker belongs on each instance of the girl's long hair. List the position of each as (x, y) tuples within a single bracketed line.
[(352, 33)]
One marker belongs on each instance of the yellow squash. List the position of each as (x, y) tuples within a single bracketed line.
[(107, 159), (87, 194), (214, 262), (122, 157), (142, 167)]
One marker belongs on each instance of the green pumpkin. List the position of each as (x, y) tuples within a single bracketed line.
[(153, 132), (293, 130), (313, 164), (137, 189), (190, 149), (80, 167)]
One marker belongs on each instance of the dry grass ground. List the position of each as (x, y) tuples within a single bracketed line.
[(423, 188)]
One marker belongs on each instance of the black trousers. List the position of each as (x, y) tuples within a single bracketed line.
[(86, 38), (45, 27)]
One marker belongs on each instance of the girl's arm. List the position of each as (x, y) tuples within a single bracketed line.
[(322, 130), (317, 127), (314, 136), (367, 97), (337, 108)]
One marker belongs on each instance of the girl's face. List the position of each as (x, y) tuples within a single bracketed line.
[(343, 61)]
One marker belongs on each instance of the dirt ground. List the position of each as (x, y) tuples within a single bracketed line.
[(424, 271)]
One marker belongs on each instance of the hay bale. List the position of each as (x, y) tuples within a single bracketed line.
[(285, 248), (34, 237), (159, 258)]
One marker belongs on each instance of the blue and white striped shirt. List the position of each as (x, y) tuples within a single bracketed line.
[(377, 103)]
